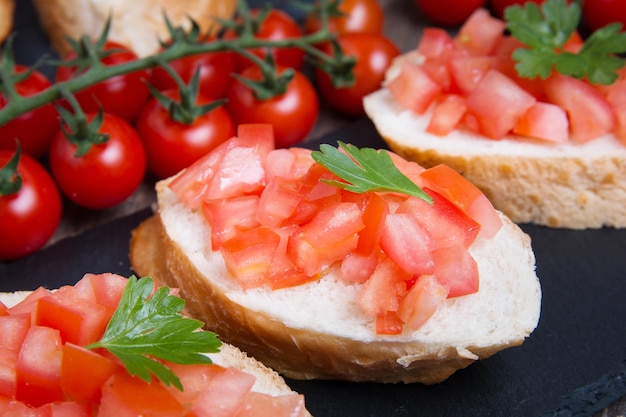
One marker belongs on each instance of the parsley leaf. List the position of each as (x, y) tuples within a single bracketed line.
[(148, 326), (545, 31), (365, 169)]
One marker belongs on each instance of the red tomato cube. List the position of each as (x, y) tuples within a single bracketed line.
[(407, 243), (480, 33), (8, 359), (422, 301), (224, 394), (447, 115), (413, 88), (230, 216), (456, 269), (544, 121), (262, 405)]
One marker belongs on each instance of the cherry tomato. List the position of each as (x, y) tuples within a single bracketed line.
[(277, 25), (360, 16), (599, 13), (293, 114), (448, 12), (171, 146), (215, 70), (29, 217), (108, 173), (373, 53), (123, 95), (34, 129)]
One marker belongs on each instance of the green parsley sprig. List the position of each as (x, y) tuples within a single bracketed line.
[(148, 327), (365, 169), (545, 31)]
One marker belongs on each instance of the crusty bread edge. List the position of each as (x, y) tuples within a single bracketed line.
[(7, 10)]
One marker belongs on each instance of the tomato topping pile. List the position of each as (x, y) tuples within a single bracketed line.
[(470, 82), (278, 224), (45, 370)]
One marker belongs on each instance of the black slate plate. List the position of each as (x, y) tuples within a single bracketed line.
[(573, 364)]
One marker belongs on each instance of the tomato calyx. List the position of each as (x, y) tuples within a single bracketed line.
[(329, 10), (10, 179), (184, 110), (338, 66), (77, 129), (272, 83)]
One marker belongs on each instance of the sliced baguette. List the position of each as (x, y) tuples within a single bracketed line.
[(571, 185), (7, 10), (137, 24), (267, 381), (317, 330)]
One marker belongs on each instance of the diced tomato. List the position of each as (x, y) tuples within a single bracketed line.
[(467, 71), (413, 88), (435, 43), (422, 301), (544, 121), (380, 293), (447, 115), (28, 303), (498, 102), (283, 272), (224, 394), (480, 33), (407, 243), (127, 396), (38, 367), (357, 267), (616, 95), (446, 223), (76, 360), (438, 70), (230, 216), (66, 409), (374, 214), (410, 169), (106, 288), (4, 310), (194, 379), (456, 269), (261, 405), (13, 330), (389, 323), (278, 201), (465, 195), (8, 359), (80, 321), (590, 114), (249, 255), (9, 407)]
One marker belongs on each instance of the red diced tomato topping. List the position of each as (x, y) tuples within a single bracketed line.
[(422, 301), (258, 405), (480, 33), (224, 394), (229, 216), (8, 358), (544, 121), (413, 88), (435, 42), (456, 269), (380, 293), (447, 115), (13, 330), (407, 243)]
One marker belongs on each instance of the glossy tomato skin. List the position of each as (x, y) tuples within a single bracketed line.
[(373, 53), (215, 72), (448, 12), (292, 114), (361, 16), (277, 25), (28, 218), (171, 146), (35, 128), (108, 173), (123, 95), (599, 13)]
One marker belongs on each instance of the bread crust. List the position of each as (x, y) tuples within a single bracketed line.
[(137, 24), (576, 186), (303, 353), (7, 10)]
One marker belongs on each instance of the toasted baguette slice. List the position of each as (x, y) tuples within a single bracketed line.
[(137, 24), (571, 185), (317, 330), (267, 381), (7, 9)]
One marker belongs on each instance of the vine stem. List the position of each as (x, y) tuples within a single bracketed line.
[(20, 105)]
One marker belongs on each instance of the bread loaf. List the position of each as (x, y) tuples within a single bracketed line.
[(7, 9), (137, 24)]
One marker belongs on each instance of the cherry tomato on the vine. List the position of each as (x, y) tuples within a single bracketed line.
[(599, 13), (215, 72), (123, 95), (374, 54), (35, 128), (293, 114), (30, 216), (448, 12), (108, 173), (171, 146), (277, 25), (360, 16)]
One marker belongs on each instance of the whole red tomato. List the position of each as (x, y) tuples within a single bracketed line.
[(277, 25), (498, 6), (171, 146), (108, 173), (360, 16), (215, 72), (373, 53), (448, 12), (35, 128), (599, 13), (293, 113), (123, 95), (29, 216)]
